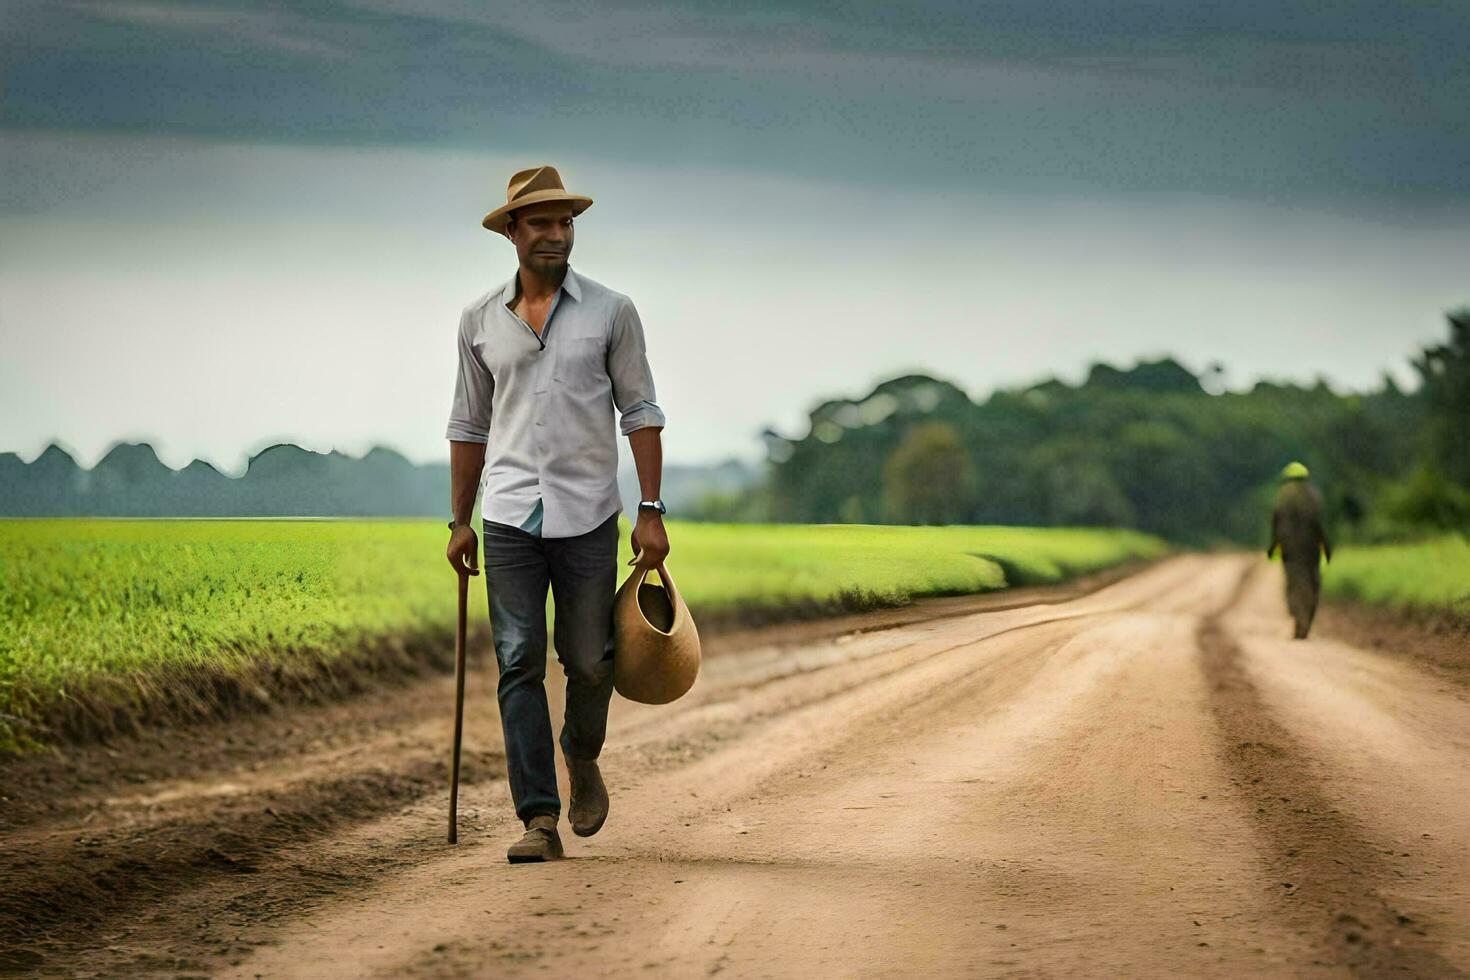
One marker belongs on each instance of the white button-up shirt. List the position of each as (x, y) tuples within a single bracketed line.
[(544, 405)]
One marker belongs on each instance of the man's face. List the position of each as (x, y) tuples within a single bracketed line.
[(542, 234)]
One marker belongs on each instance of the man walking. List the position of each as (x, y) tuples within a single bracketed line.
[(1296, 528), (543, 362)]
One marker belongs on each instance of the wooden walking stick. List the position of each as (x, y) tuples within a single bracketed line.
[(464, 589)]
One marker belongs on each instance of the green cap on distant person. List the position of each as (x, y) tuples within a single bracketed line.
[(1294, 471)]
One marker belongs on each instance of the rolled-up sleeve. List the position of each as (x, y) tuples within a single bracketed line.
[(632, 378), (469, 415)]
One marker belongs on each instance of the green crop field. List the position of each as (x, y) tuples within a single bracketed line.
[(1427, 575), (104, 621)]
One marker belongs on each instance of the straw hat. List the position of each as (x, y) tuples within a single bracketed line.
[(655, 644), (536, 185)]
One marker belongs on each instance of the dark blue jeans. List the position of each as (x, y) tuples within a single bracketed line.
[(582, 573)]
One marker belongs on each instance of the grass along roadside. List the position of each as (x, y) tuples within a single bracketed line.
[(1409, 600), (1430, 576), (109, 624)]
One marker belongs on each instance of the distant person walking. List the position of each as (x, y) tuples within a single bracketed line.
[(1296, 528), (543, 361)]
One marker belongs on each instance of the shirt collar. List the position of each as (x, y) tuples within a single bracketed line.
[(569, 284)]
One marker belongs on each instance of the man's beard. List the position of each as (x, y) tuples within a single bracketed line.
[(547, 263)]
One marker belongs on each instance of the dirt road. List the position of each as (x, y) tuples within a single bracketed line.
[(1148, 780)]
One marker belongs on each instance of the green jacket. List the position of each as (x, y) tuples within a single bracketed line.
[(1296, 524)]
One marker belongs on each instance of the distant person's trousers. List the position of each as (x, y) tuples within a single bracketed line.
[(582, 573), (1303, 585)]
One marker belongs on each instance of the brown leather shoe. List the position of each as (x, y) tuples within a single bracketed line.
[(588, 808), (541, 842)]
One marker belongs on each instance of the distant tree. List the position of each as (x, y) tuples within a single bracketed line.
[(749, 506), (1426, 500), (1074, 486), (1162, 375), (1164, 472), (1445, 369), (929, 478)]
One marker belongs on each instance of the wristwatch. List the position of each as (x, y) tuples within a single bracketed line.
[(657, 505), (455, 524)]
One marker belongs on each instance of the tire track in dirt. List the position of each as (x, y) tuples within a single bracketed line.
[(1331, 874), (842, 677)]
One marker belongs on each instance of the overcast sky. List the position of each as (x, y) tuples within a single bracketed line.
[(226, 225)]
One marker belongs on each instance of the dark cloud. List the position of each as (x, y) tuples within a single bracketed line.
[(1250, 97)]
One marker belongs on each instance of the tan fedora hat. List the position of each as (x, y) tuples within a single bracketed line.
[(655, 643), (535, 185)]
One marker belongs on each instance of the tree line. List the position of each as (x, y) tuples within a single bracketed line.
[(1146, 447)]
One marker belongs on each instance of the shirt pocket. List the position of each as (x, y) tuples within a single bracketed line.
[(582, 361)]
